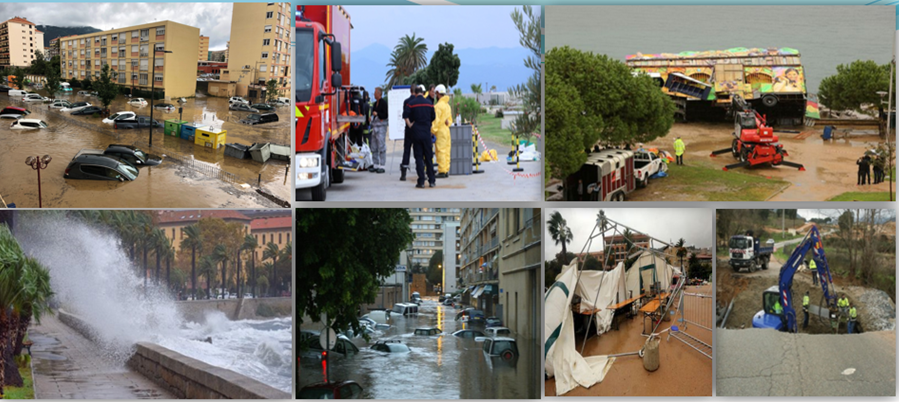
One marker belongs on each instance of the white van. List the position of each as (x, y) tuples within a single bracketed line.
[(65, 87), (281, 102), (405, 308), (18, 93)]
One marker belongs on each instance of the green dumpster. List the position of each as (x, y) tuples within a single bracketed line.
[(173, 127)]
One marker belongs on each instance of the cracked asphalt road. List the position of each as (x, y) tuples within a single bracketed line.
[(762, 362)]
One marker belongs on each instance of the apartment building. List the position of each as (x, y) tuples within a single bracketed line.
[(18, 40), (53, 49), (259, 49), (620, 247), (173, 223), (520, 269), (276, 229), (479, 274), (428, 229), (129, 53), (204, 48)]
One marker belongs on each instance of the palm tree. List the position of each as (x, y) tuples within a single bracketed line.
[(11, 267), (169, 254), (193, 240), (284, 261), (249, 244), (476, 89), (220, 255), (35, 298), (681, 251), (207, 269), (560, 232), (271, 252), (158, 242), (409, 55)]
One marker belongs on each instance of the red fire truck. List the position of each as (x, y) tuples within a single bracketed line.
[(323, 90)]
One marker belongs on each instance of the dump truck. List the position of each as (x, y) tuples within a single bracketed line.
[(703, 83), (323, 95), (746, 251)]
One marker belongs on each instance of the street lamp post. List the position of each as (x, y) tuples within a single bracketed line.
[(152, 91), (38, 163)]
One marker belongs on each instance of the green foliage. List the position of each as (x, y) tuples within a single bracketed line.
[(593, 98), (467, 107), (106, 87), (444, 67), (477, 91), (53, 78), (337, 276), (559, 231), (499, 114), (19, 78), (854, 85), (530, 92), (435, 268), (264, 310), (271, 90), (39, 66)]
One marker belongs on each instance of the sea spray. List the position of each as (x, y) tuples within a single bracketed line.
[(94, 279)]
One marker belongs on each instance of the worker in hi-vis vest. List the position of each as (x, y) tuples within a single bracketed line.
[(853, 317), (679, 149), (813, 268), (805, 310)]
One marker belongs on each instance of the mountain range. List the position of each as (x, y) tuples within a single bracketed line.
[(502, 67), (52, 32)]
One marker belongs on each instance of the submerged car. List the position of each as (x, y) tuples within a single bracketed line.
[(468, 333), (28, 124), (60, 104), (136, 122), (90, 110), (262, 106), (137, 102), (35, 98), (123, 115), (428, 331), (91, 164), (242, 107), (168, 107), (132, 155), (391, 347), (498, 331), (14, 112), (505, 348), (331, 390), (75, 107), (237, 99), (84, 93), (254, 118), (494, 322)]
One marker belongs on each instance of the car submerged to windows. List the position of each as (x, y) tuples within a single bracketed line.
[(503, 348), (123, 115), (28, 124), (391, 347), (89, 164), (14, 112), (432, 331)]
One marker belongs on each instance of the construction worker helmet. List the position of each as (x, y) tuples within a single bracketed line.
[(440, 89)]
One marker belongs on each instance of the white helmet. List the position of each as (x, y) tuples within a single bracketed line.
[(440, 89)]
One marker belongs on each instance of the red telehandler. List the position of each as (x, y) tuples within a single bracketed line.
[(754, 141)]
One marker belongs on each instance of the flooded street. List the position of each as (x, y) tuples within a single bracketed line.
[(438, 367), (194, 182)]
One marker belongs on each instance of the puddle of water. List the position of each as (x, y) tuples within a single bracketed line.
[(162, 186)]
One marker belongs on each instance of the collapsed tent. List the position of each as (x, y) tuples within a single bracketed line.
[(597, 291)]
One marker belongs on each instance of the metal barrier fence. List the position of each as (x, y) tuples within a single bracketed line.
[(201, 167), (695, 310)]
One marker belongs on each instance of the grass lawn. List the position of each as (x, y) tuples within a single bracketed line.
[(24, 392), (858, 196), (490, 129), (703, 182)]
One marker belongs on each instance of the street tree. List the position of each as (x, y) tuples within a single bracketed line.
[(53, 77), (271, 252), (855, 85), (18, 78), (477, 91), (338, 277), (207, 270), (192, 240), (530, 92), (271, 91), (435, 268), (250, 244), (106, 87), (560, 232), (606, 102), (221, 256), (444, 67), (39, 64)]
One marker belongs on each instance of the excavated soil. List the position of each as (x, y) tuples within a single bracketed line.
[(876, 310)]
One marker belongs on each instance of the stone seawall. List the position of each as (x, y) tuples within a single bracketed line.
[(184, 376), (238, 309), (192, 379)]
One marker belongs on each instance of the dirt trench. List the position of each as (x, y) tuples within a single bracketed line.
[(876, 310)]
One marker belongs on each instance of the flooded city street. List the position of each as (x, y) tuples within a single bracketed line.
[(191, 177), (438, 367)]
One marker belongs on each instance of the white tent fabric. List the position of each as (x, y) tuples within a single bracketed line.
[(563, 362), (604, 288)]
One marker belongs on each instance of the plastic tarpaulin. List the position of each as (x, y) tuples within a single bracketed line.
[(563, 362), (648, 268)]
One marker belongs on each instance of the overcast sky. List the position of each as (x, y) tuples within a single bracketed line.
[(835, 213), (669, 225), (213, 19), (463, 26)]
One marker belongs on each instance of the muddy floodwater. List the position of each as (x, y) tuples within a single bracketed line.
[(438, 367), (195, 182)]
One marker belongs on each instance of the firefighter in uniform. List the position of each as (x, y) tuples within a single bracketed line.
[(407, 136), (419, 115)]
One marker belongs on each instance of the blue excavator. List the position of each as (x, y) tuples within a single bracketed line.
[(786, 319)]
